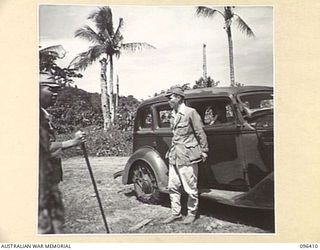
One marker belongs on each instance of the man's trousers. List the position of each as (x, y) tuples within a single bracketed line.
[(186, 178)]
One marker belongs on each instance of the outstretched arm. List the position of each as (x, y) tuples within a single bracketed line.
[(57, 147)]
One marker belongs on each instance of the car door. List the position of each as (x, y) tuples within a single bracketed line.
[(224, 166)]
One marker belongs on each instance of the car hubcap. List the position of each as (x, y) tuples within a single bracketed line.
[(142, 181)]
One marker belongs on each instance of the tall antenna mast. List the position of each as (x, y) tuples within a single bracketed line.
[(204, 62), (117, 94)]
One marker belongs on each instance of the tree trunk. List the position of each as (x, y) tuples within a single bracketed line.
[(104, 94), (232, 76), (111, 102)]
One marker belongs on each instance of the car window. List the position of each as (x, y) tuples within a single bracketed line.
[(257, 101), (214, 111), (146, 118), (164, 115)]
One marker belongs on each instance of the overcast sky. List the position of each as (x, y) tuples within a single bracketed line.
[(178, 36)]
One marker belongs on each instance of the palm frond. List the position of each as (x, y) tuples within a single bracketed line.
[(103, 19), (117, 54), (203, 11), (136, 46), (80, 62), (84, 59), (89, 34), (117, 35), (56, 51), (242, 26), (107, 36), (117, 40)]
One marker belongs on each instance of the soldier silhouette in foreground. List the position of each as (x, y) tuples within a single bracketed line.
[(50, 206)]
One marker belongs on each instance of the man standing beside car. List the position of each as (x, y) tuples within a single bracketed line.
[(189, 147)]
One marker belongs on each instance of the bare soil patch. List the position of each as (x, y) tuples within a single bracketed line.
[(124, 211)]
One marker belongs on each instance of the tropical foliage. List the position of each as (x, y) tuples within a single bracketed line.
[(107, 43), (202, 82), (47, 63), (77, 109), (238, 84), (229, 17), (205, 82)]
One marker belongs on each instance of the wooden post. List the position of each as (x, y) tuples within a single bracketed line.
[(117, 94), (204, 62)]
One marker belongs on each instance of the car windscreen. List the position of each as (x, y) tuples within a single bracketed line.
[(253, 102)]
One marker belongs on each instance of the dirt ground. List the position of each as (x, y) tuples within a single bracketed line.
[(123, 211)]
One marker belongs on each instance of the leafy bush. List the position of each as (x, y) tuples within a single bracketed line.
[(102, 143), (77, 109)]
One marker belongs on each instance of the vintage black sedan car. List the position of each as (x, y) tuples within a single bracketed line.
[(238, 122)]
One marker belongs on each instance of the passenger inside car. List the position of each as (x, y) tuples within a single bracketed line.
[(215, 115)]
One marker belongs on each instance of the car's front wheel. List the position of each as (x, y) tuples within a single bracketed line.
[(145, 184)]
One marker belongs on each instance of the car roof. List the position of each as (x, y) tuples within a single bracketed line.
[(209, 92)]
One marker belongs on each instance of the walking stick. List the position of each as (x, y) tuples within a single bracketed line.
[(83, 147)]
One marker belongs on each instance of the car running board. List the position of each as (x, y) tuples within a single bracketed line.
[(260, 196)]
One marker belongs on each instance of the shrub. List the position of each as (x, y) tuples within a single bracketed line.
[(77, 109)]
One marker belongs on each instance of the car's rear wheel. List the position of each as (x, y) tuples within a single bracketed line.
[(145, 184)]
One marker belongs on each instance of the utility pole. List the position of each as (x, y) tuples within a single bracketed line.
[(204, 62), (117, 95)]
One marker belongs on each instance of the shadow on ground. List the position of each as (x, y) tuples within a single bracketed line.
[(259, 218)]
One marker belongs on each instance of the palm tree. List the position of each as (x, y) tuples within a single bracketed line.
[(107, 43), (229, 17)]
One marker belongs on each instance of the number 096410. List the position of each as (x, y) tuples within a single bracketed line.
[(305, 245)]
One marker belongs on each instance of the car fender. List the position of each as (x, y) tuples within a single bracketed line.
[(153, 159)]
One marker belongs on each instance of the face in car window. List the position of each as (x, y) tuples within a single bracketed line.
[(146, 118), (209, 116), (214, 112), (215, 115), (164, 115)]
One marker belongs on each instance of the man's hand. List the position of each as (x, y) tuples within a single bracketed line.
[(79, 137), (204, 156)]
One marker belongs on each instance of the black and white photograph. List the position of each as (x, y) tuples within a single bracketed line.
[(156, 119)]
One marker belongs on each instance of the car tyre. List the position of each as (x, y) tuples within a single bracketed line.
[(145, 184)]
